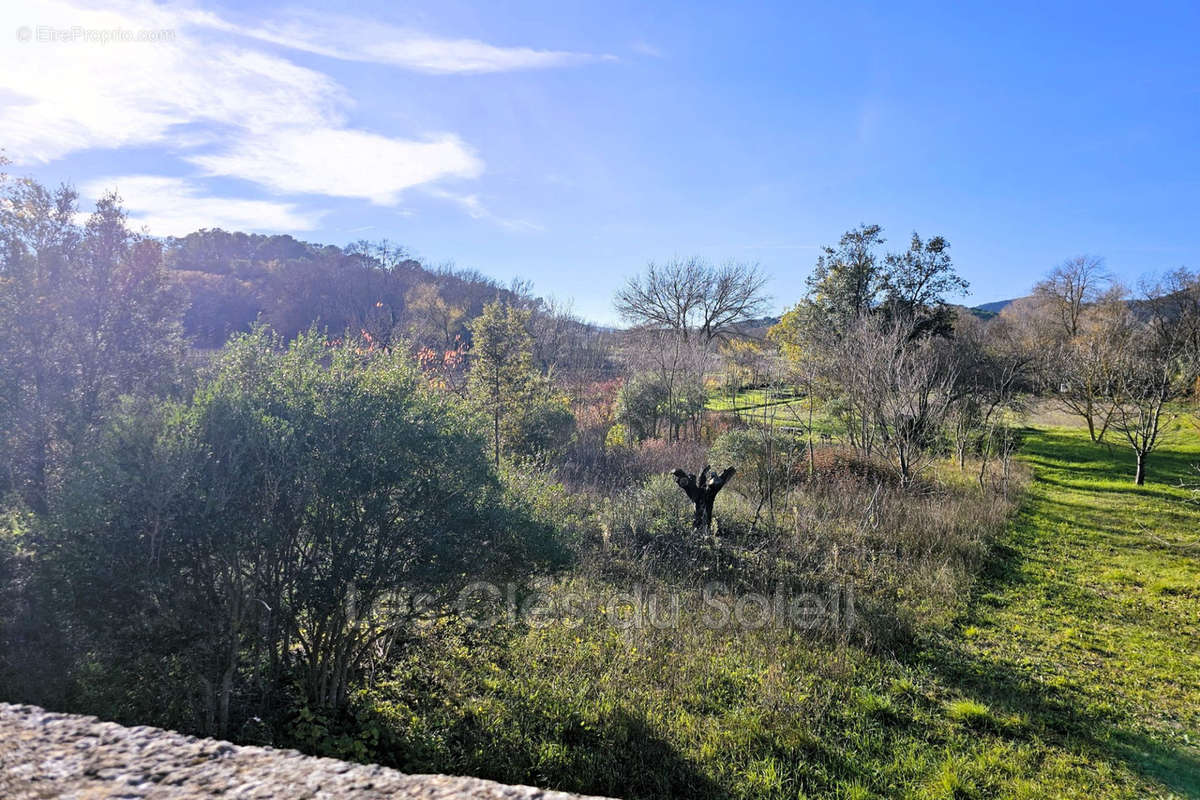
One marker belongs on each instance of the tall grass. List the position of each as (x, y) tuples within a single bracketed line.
[(664, 667), (906, 554)]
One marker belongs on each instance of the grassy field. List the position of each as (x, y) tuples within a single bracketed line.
[(778, 409), (1071, 670), (750, 399), (1088, 627)]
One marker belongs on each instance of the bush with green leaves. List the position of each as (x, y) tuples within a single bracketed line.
[(652, 406), (618, 437), (654, 508), (639, 404), (543, 425), (525, 414), (534, 493), (273, 528)]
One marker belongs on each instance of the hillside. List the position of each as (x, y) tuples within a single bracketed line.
[(229, 280), (995, 306)]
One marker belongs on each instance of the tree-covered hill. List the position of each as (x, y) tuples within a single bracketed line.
[(232, 279)]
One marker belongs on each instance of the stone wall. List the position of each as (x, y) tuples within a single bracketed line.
[(47, 755)]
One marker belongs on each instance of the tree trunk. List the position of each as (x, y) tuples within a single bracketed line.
[(224, 699), (496, 438), (905, 470), (36, 493), (1139, 478), (1103, 429), (812, 461), (702, 491)]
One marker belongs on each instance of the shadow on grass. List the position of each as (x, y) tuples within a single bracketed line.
[(1065, 451), (1055, 714), (620, 757), (1178, 770), (1147, 492)]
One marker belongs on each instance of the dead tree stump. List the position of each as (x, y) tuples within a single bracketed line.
[(702, 491)]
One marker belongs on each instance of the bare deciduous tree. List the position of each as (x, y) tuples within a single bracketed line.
[(1086, 365), (734, 295), (1075, 326), (693, 298), (993, 366), (1145, 385), (913, 386), (1070, 287), (893, 390), (678, 366), (1161, 364)]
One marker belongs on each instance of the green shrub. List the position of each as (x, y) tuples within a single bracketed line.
[(548, 516), (640, 403), (656, 508), (271, 529), (543, 426), (652, 407)]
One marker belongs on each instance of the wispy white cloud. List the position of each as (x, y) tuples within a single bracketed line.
[(352, 39), (342, 163), (223, 103), (176, 207), (79, 95)]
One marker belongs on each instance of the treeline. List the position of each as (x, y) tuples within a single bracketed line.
[(203, 543), (1126, 362), (232, 280), (228, 282)]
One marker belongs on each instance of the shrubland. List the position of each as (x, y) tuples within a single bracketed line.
[(402, 525)]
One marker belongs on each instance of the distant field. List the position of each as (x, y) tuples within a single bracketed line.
[(779, 409), (749, 399)]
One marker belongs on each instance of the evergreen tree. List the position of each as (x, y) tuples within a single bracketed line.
[(502, 365)]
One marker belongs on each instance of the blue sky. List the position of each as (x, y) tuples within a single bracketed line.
[(569, 143)]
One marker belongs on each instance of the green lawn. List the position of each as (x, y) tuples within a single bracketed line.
[(1088, 626)]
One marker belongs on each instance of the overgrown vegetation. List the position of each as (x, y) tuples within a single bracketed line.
[(428, 522), (1065, 671)]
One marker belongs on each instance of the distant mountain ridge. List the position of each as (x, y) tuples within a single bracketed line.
[(995, 306)]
